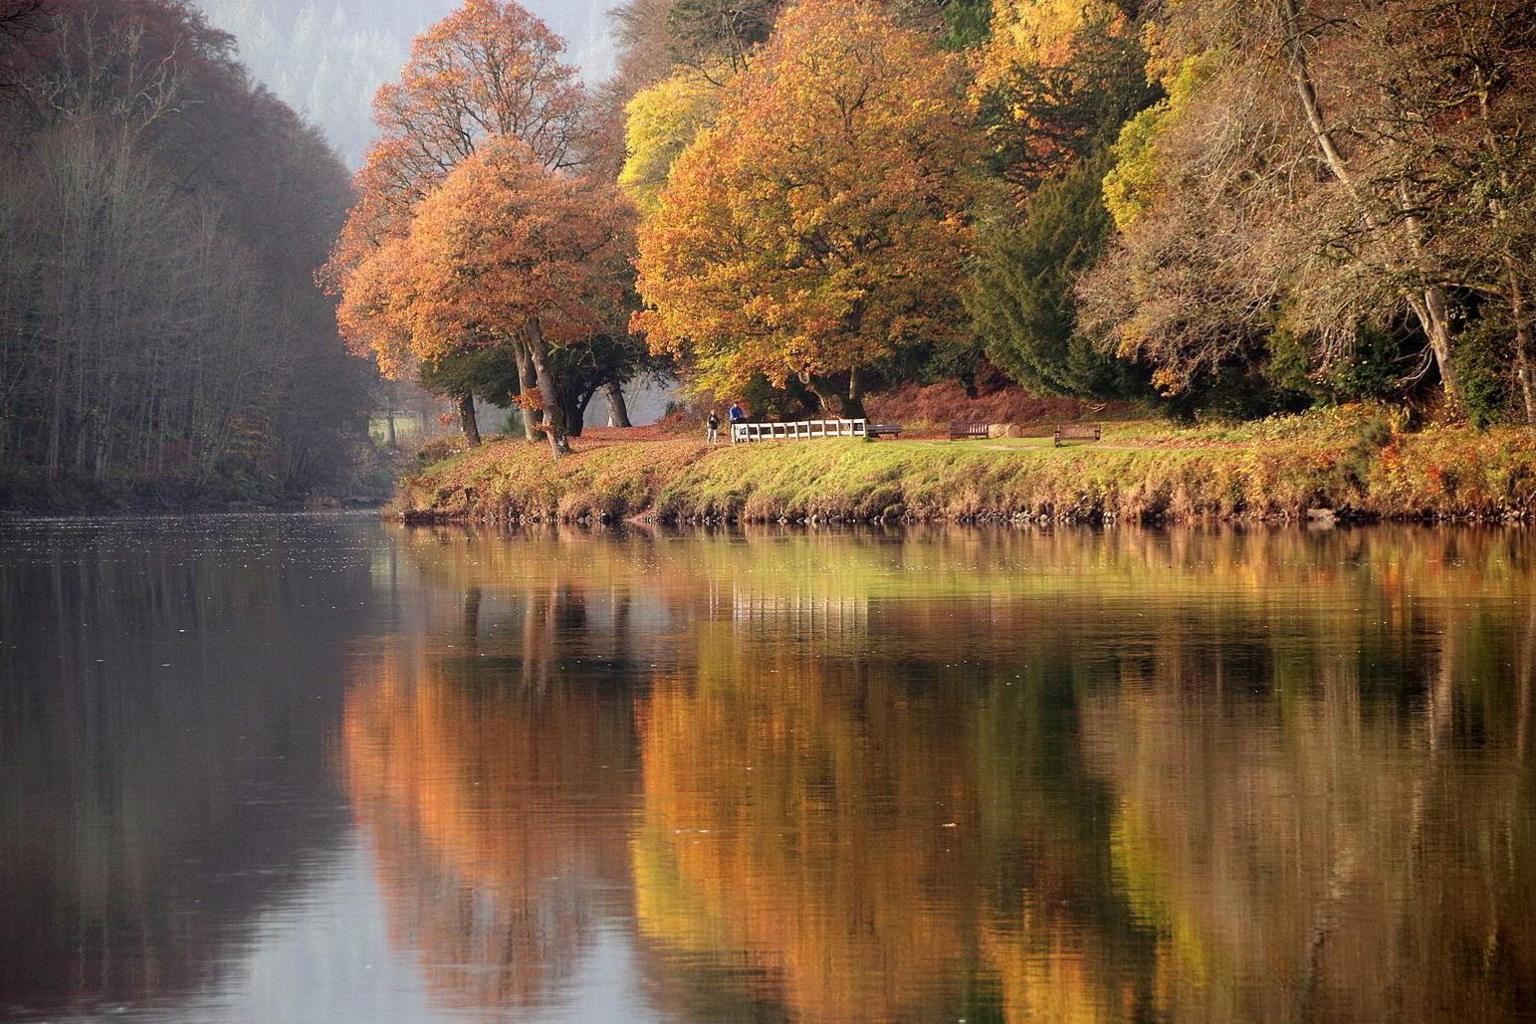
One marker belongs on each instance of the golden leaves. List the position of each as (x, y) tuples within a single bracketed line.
[(660, 123), (820, 224), (1040, 33)]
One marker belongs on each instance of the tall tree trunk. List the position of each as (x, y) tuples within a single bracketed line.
[(389, 421), (618, 411), (1522, 339), (1433, 314), (853, 402), (554, 416), (527, 380), (467, 421), (1431, 306), (1306, 92)]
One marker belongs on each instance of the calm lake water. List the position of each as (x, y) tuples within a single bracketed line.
[(278, 769)]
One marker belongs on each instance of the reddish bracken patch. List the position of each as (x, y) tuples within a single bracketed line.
[(924, 411), (668, 429), (934, 407)]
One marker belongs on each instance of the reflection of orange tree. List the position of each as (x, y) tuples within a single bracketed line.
[(791, 791), (497, 819), (828, 826), (1313, 861), (1259, 705)]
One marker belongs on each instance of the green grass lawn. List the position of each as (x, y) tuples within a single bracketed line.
[(1351, 461)]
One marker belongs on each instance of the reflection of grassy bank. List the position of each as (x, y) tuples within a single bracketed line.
[(1348, 462)]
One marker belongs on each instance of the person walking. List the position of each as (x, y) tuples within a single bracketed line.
[(714, 425)]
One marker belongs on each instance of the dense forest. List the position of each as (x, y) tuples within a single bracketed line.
[(162, 219), (1219, 206), (1213, 209)]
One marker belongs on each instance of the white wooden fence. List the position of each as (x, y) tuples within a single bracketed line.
[(802, 430)]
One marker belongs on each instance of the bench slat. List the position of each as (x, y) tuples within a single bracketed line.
[(961, 428), (1077, 432)]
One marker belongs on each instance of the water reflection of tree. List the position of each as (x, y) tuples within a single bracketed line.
[(1319, 856), (495, 797), (1192, 776), (1290, 572), (1289, 754), (165, 688), (886, 841)]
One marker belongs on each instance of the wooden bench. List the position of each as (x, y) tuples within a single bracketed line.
[(875, 431), (1076, 432), (959, 429)]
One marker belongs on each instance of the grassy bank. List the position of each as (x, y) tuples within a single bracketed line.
[(1350, 463)]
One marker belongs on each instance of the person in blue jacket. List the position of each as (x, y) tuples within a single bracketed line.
[(737, 414)]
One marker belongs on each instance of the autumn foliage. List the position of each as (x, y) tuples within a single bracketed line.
[(507, 247), (662, 120), (819, 226), (488, 69), (475, 232), (1215, 207), (1105, 200)]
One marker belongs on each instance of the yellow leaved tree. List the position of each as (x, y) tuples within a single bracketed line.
[(820, 226), (1054, 82), (661, 121)]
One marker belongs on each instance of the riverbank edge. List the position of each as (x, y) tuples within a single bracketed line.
[(29, 498), (1167, 476)]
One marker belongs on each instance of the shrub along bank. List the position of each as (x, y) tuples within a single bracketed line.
[(1347, 463)]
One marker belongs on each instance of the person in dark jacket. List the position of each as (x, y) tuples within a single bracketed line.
[(714, 425)]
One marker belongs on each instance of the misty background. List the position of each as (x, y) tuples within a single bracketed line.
[(325, 58)]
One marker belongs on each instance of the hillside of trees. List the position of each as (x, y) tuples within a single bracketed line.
[(162, 220), (1214, 209)]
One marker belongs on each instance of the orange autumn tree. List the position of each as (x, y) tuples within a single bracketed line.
[(819, 227), (490, 69), (508, 252)]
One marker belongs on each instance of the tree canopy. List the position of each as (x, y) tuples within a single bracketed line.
[(819, 226), (465, 232), (663, 119), (1327, 177)]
